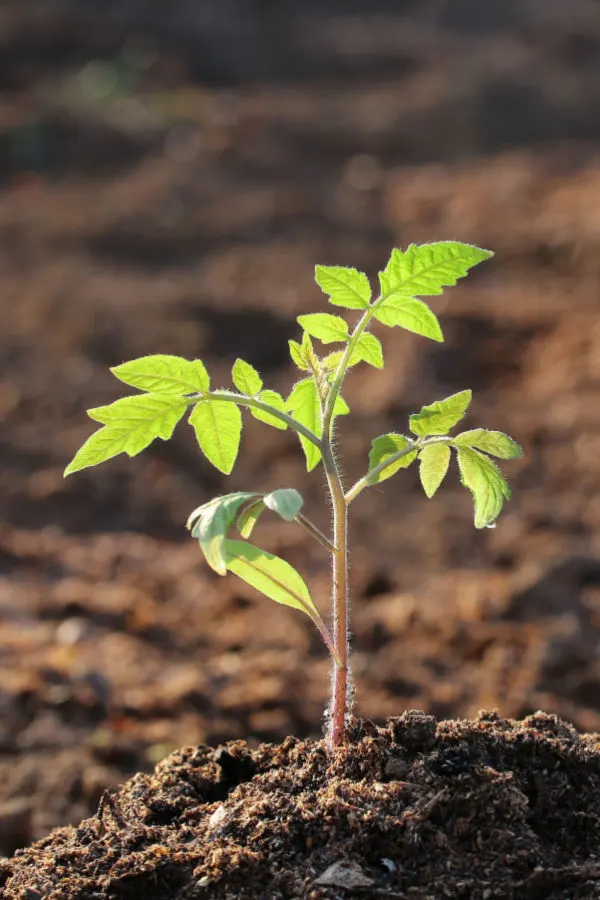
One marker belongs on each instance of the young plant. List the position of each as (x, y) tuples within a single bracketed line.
[(171, 386)]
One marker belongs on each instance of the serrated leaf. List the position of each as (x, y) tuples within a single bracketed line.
[(305, 404), (434, 460), (212, 526), (272, 576), (440, 416), (218, 427), (425, 269), (496, 443), (368, 348), (132, 423), (486, 483), (325, 327), (246, 378), (286, 502), (345, 287), (411, 314), (162, 374), (277, 402), (382, 448), (249, 516), (298, 357)]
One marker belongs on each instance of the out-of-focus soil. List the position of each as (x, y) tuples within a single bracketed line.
[(144, 210)]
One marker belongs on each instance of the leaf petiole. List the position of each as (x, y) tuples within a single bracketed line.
[(315, 532)]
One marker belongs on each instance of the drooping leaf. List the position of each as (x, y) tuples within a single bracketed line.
[(277, 402), (440, 416), (410, 313), (218, 427), (368, 347), (298, 357), (382, 448), (486, 483), (325, 326), (434, 460), (425, 269), (163, 374), (286, 502), (212, 526), (249, 516), (132, 423), (246, 378), (272, 576), (496, 443), (306, 407), (345, 287)]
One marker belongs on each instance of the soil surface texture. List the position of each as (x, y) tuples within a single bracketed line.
[(151, 201), (416, 809)]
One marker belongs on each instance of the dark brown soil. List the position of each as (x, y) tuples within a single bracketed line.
[(180, 211), (416, 809)]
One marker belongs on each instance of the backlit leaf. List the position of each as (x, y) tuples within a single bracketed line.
[(439, 417), (425, 269), (164, 374), (434, 460), (306, 407), (382, 448), (272, 576), (298, 357), (218, 427), (324, 326), (368, 347), (345, 287), (212, 526), (246, 378), (249, 516), (496, 443), (410, 313), (277, 402), (486, 483)]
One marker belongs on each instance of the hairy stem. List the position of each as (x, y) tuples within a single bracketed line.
[(315, 532)]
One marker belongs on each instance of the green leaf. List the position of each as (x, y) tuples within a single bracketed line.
[(132, 423), (246, 378), (270, 575), (305, 404), (286, 502), (424, 270), (345, 287), (369, 348), (249, 517), (298, 357), (382, 448), (340, 407), (212, 525), (277, 402), (434, 460), (439, 417), (486, 482), (163, 374), (324, 326), (409, 313), (218, 427), (496, 443)]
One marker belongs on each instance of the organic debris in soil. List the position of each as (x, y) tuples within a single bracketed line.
[(485, 808)]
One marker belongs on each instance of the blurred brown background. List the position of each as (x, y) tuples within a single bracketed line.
[(170, 172)]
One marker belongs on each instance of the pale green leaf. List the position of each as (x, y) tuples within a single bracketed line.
[(496, 443), (434, 460), (212, 526), (286, 502), (410, 313), (486, 483), (162, 374), (249, 517), (246, 378), (345, 287), (298, 358), (272, 576), (218, 427), (324, 326), (369, 348), (382, 448), (132, 423), (274, 400), (340, 407), (306, 407), (425, 269), (439, 417)]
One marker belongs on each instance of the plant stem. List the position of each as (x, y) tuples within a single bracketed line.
[(371, 477), (315, 532), (339, 699)]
